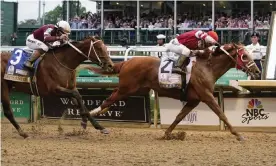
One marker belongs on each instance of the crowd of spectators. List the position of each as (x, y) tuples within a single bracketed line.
[(241, 21), (152, 20), (87, 21)]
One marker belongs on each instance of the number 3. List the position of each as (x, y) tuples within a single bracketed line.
[(18, 57)]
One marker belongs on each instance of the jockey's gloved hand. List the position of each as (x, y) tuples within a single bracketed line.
[(217, 44), (64, 37)]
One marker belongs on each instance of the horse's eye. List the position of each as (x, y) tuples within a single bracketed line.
[(245, 58)]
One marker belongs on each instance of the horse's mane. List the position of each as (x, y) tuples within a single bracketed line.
[(218, 51)]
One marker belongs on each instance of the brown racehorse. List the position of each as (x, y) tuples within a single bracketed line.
[(56, 75), (139, 75)]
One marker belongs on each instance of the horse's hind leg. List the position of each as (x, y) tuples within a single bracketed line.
[(185, 110), (5, 99)]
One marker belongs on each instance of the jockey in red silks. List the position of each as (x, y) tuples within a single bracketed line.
[(188, 41), (46, 34)]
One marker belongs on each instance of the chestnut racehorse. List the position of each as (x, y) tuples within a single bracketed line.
[(56, 76), (139, 75)]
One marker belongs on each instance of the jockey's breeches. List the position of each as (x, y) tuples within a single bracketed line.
[(175, 47), (35, 44)]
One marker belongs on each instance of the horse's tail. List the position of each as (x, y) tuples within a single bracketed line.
[(116, 69)]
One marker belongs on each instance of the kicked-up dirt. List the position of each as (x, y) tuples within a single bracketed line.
[(71, 146)]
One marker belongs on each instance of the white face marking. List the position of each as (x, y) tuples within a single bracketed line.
[(249, 54)]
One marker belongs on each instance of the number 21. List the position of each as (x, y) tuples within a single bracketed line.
[(18, 57)]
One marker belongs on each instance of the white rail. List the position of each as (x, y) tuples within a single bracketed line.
[(124, 53)]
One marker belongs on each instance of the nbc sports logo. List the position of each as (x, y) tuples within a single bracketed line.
[(254, 111), (255, 103)]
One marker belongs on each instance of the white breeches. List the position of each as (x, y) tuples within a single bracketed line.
[(35, 44), (175, 47)]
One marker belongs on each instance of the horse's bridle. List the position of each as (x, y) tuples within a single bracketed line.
[(88, 57), (247, 66)]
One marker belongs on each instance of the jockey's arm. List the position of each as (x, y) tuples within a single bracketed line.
[(48, 38), (204, 36), (200, 53)]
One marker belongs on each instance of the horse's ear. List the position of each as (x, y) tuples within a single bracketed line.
[(240, 44), (97, 37), (235, 45), (217, 51)]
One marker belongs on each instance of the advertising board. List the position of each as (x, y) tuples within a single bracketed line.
[(251, 112), (21, 106), (232, 74), (202, 115), (131, 109)]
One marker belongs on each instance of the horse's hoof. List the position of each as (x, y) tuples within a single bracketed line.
[(83, 125), (167, 137), (104, 131), (181, 136), (240, 138), (24, 135)]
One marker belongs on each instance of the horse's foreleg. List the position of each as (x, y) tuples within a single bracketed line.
[(115, 96), (103, 108), (83, 116), (185, 110), (217, 110), (5, 99), (83, 110)]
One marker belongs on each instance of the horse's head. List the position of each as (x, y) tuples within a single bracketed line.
[(96, 51), (242, 59)]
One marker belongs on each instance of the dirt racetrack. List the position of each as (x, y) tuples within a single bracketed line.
[(127, 146)]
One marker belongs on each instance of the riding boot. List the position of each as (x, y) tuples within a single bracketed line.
[(29, 63), (177, 67)]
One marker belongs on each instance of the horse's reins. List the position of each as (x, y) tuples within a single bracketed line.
[(91, 46), (79, 51)]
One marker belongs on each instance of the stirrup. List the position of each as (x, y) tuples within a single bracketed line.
[(28, 64)]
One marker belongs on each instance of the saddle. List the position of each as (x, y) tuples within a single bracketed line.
[(170, 79), (16, 70)]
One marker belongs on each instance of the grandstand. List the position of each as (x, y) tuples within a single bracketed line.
[(140, 21), (248, 104)]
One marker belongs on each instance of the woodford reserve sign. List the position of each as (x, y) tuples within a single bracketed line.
[(131, 109), (21, 106)]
